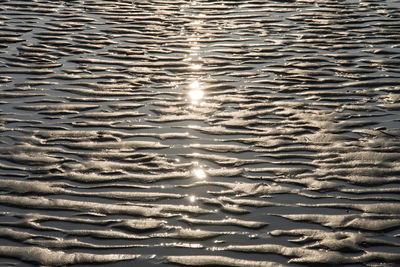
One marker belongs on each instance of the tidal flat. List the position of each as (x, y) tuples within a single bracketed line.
[(200, 132)]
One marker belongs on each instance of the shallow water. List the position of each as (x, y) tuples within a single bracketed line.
[(235, 133)]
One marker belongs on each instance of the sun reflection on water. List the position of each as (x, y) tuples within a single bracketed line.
[(199, 173), (192, 198), (195, 67), (195, 93), (194, 85)]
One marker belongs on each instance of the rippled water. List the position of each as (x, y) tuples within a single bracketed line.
[(237, 133)]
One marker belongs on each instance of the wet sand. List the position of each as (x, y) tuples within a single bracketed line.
[(233, 133)]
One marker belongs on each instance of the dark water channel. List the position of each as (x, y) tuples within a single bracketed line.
[(233, 133)]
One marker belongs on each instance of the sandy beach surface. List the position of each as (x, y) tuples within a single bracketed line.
[(193, 133)]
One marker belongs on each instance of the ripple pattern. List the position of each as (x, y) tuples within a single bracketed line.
[(200, 132)]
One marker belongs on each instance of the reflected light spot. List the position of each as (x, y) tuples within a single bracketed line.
[(196, 96), (194, 85), (192, 198), (195, 67), (199, 173)]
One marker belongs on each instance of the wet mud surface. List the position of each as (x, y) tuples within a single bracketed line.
[(233, 133)]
